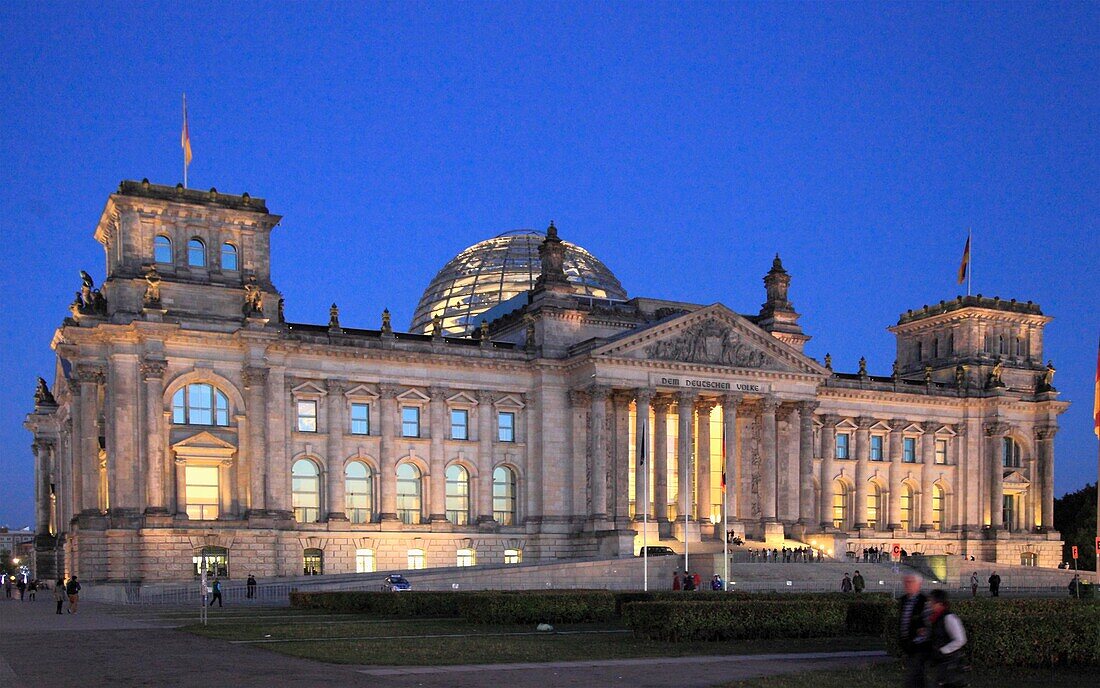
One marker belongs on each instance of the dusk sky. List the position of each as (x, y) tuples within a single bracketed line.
[(683, 144)]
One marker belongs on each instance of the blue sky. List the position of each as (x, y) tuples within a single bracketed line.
[(683, 144)]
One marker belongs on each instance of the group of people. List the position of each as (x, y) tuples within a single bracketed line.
[(23, 586), (994, 584), (785, 555), (854, 583), (691, 581), (931, 637), (876, 555)]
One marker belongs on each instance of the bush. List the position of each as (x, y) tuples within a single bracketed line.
[(400, 605), (735, 595), (736, 619), (474, 606), (868, 615)]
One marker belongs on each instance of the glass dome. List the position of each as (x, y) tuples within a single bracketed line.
[(495, 270)]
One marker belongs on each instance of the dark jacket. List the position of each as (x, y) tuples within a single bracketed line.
[(918, 622), (72, 587)]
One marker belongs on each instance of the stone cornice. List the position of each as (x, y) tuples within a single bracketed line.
[(707, 370)]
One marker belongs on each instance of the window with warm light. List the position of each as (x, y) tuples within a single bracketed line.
[(458, 495), (364, 561), (840, 505), (513, 556), (941, 452), (408, 493), (465, 557), (905, 502), (504, 496), (358, 492), (416, 559), (201, 491), (937, 507), (305, 494)]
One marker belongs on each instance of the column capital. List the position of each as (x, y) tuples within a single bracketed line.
[(485, 397), (599, 392), (644, 395), (830, 420), (91, 373), (335, 387), (806, 408), (997, 428), (959, 428), (437, 393), (930, 426), (388, 390), (731, 400), (704, 406), (578, 398), (153, 368), (661, 403), (254, 376), (865, 422), (898, 424), (769, 403), (1045, 432), (622, 396)]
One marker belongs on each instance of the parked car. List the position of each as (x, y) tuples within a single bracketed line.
[(656, 551), (395, 582)]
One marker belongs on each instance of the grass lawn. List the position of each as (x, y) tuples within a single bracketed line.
[(415, 642), (889, 675)]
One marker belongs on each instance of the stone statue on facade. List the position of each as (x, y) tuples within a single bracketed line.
[(529, 336), (89, 300), (253, 298), (895, 371), (960, 375), (927, 375), (995, 374), (151, 299), (863, 366), (282, 315), (710, 341), (437, 326), (42, 395), (333, 317), (387, 326), (1046, 378), (829, 362)]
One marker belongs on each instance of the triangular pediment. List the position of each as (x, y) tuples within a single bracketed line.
[(711, 336), (1015, 477), (204, 445)]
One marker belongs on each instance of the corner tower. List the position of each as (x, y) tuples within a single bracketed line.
[(777, 314)]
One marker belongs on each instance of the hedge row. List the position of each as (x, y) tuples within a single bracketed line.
[(735, 619), (520, 607), (623, 598)]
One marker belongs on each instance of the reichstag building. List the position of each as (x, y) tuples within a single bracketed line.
[(187, 419)]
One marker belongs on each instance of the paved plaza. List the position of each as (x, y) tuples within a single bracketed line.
[(125, 646)]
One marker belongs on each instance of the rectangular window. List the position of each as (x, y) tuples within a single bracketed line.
[(410, 421), (909, 450), (360, 419), (200, 399), (364, 561), (513, 556), (506, 426), (465, 557), (307, 416), (941, 452), (201, 492), (842, 445), (876, 447), (460, 424), (416, 559)]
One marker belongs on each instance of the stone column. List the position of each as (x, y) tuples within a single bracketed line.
[(927, 474), (620, 498), (181, 487), (598, 431), (90, 377), (863, 466), (806, 462), (387, 461), (437, 459), (41, 448), (484, 456), (660, 458), (685, 403), (828, 467), (277, 494), (1044, 449), (768, 476), (729, 442), (581, 476), (255, 382), (643, 454), (152, 372), (897, 427), (338, 420), (702, 504), (995, 433)]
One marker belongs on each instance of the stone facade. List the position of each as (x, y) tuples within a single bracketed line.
[(187, 416)]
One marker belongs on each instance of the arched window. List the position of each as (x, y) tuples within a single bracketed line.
[(214, 559), (162, 250), (196, 253), (458, 495), (200, 404), (358, 492), (313, 561), (229, 256), (364, 561), (840, 505), (1010, 453), (465, 557), (408, 493), (504, 496), (873, 495), (937, 508), (906, 506), (306, 491)]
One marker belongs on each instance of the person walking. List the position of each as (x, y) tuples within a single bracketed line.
[(251, 585), (846, 584), (7, 586), (974, 584), (675, 581), (33, 588), (22, 585), (72, 589), (858, 584), (217, 590), (716, 582), (995, 585), (947, 638), (696, 581), (689, 582), (913, 631), (59, 593)]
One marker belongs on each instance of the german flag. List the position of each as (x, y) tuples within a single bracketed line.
[(185, 136), (965, 264)]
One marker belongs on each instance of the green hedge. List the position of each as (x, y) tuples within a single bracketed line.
[(1031, 632), (710, 595), (735, 619), (398, 605), (520, 607)]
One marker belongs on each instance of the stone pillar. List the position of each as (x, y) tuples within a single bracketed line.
[(437, 459), (685, 403), (863, 466), (828, 467), (806, 462), (41, 448), (255, 382), (995, 433), (927, 474), (1044, 449), (581, 476), (152, 372), (181, 487), (598, 431), (768, 476), (277, 493), (90, 377), (702, 504), (334, 449), (620, 498), (660, 458), (897, 427), (387, 461), (729, 442), (643, 454), (484, 456)]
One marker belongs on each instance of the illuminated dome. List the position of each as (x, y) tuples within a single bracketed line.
[(495, 270)]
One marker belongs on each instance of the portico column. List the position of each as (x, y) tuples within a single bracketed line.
[(334, 449), (927, 475), (437, 460), (729, 444), (578, 402), (660, 458), (1044, 448), (90, 378), (863, 433), (768, 476), (643, 454), (41, 448), (995, 433), (255, 382), (278, 487), (620, 497), (702, 504), (485, 414), (806, 462), (685, 403), (897, 426), (828, 460), (181, 487), (598, 431), (387, 462), (152, 372)]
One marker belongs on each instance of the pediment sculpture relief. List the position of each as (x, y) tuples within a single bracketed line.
[(710, 341)]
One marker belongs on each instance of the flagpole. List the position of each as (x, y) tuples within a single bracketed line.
[(725, 515), (645, 505), (687, 513), (188, 133), (970, 258)]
